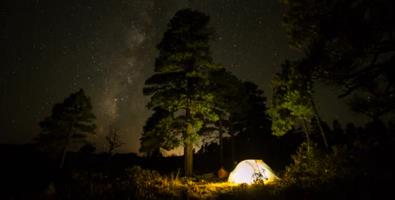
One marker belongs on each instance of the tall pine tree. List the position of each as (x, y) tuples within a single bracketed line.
[(180, 88)]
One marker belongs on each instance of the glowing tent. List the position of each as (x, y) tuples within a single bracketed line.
[(252, 171)]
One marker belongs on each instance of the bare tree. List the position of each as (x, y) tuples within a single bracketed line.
[(113, 139)]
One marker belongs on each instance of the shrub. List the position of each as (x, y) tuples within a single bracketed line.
[(149, 184), (314, 166)]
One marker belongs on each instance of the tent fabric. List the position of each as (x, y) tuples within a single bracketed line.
[(252, 171)]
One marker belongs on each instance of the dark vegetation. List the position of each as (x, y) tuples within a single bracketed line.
[(359, 167), (347, 44)]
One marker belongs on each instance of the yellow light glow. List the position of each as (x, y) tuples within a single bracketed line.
[(251, 171)]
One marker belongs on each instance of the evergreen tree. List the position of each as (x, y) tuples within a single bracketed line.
[(70, 121), (373, 102), (293, 103), (229, 102), (242, 110), (251, 123), (180, 87), (159, 131), (253, 119), (349, 44)]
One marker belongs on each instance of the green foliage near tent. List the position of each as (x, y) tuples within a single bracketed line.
[(291, 100)]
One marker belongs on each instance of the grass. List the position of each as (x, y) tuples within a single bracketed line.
[(173, 187)]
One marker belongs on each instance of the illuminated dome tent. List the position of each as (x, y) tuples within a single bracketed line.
[(252, 171)]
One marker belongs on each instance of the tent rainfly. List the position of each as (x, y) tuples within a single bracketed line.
[(252, 171)]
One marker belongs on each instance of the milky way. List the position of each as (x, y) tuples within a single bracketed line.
[(53, 48)]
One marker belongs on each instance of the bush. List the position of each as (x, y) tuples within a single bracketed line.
[(149, 184), (313, 166)]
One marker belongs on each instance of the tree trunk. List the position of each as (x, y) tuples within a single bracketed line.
[(66, 145), (188, 159), (63, 157), (188, 145), (318, 119), (221, 149), (307, 132), (233, 150), (188, 153)]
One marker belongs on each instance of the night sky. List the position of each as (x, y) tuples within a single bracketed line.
[(52, 48)]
